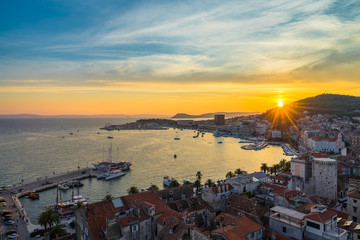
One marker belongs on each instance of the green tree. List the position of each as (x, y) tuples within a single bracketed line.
[(264, 167), (197, 184), (174, 183), (132, 190), (107, 197), (78, 205), (154, 187), (198, 175), (230, 175), (57, 232), (210, 183), (48, 218), (271, 170), (238, 171)]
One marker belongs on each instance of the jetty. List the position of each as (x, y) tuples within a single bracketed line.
[(12, 195), (44, 183)]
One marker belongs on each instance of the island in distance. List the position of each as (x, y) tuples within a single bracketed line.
[(211, 115)]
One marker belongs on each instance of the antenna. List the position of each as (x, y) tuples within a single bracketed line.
[(117, 153)]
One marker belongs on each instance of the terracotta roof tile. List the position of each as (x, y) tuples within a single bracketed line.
[(321, 217)]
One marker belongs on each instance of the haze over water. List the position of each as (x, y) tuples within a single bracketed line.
[(32, 148)]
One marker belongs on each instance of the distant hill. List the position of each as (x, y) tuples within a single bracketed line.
[(340, 105), (328, 103), (211, 115), (84, 116)]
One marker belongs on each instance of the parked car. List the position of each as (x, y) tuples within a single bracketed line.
[(13, 236), (13, 191), (9, 222)]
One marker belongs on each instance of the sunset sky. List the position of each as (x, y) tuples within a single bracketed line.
[(165, 57)]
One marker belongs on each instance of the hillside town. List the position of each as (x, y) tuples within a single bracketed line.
[(314, 196)]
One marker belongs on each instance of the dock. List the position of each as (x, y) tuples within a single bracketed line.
[(45, 183), (38, 185)]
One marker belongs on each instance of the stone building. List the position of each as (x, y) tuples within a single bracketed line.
[(324, 177)]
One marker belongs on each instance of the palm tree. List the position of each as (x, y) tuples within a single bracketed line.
[(199, 175), (287, 167), (58, 231), (174, 183), (47, 218), (197, 184), (107, 197), (132, 190), (271, 170), (78, 205), (229, 175), (210, 183), (282, 164), (154, 187), (264, 167), (238, 171)]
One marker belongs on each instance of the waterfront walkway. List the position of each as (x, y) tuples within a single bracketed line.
[(21, 219)]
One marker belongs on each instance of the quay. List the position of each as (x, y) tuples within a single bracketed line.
[(21, 218)]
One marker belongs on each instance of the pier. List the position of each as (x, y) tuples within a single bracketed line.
[(20, 216)]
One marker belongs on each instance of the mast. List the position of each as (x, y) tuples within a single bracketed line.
[(57, 195), (117, 153), (110, 153), (72, 194), (103, 152)]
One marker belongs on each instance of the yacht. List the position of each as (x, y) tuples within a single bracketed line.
[(113, 174)]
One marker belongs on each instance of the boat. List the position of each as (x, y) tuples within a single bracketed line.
[(63, 186), (176, 138), (167, 180), (110, 137), (113, 174), (71, 133), (33, 195), (74, 183), (110, 164), (188, 181), (175, 156)]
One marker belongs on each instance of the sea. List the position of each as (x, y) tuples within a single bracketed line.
[(39, 147)]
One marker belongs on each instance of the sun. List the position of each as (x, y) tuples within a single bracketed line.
[(280, 103)]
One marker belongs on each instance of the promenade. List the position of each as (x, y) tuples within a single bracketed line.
[(20, 217)]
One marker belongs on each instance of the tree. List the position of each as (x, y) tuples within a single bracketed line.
[(238, 171), (78, 205), (229, 175), (197, 184), (174, 183), (48, 218), (132, 190), (107, 197), (271, 170), (210, 183), (57, 232), (282, 164), (198, 175), (154, 187), (264, 167)]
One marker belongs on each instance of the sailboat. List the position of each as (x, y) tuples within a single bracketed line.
[(66, 208)]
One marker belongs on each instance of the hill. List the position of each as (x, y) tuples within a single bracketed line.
[(211, 115), (340, 105)]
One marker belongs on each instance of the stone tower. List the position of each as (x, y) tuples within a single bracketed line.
[(324, 177)]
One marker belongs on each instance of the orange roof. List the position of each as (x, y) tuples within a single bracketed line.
[(321, 217), (242, 227)]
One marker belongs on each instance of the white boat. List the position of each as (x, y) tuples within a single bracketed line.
[(167, 180), (188, 181), (113, 174), (63, 186)]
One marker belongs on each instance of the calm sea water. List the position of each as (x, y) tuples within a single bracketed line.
[(32, 148)]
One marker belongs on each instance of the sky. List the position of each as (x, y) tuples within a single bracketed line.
[(166, 57)]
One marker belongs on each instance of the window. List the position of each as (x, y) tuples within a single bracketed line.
[(354, 209), (354, 200), (313, 225), (134, 228), (355, 219), (284, 229)]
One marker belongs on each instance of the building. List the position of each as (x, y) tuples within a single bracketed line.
[(137, 216), (319, 224), (301, 167), (275, 134), (235, 228), (324, 177), (247, 182), (353, 204), (326, 144), (287, 222), (355, 139), (219, 119), (213, 194)]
